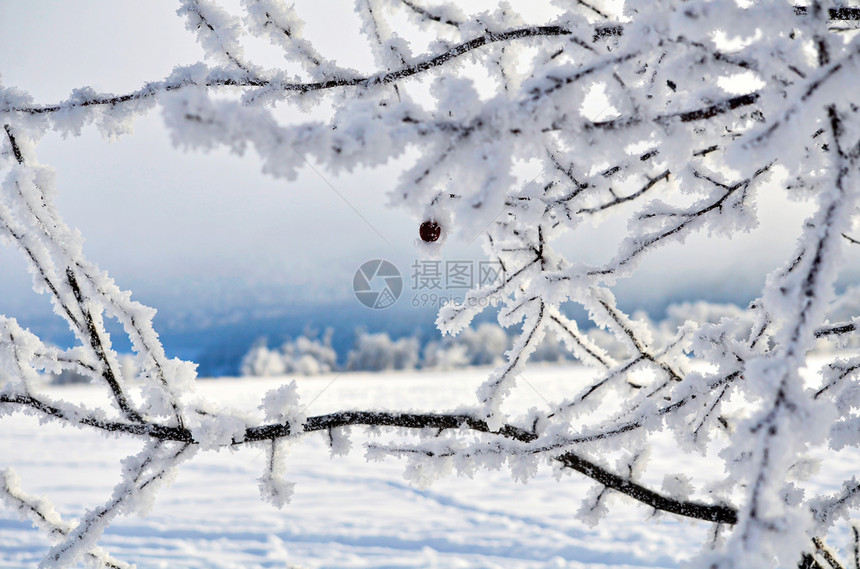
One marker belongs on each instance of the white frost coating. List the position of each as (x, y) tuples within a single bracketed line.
[(282, 405), (677, 485), (217, 31), (14, 497), (273, 487), (282, 26), (594, 506), (142, 475), (677, 116), (43, 515), (338, 441), (217, 429)]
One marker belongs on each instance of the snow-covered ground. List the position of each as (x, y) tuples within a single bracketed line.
[(346, 512)]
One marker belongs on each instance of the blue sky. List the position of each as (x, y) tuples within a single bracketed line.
[(188, 230), (180, 225)]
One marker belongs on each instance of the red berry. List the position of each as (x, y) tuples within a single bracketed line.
[(430, 231)]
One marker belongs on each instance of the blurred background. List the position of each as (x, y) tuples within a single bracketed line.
[(229, 256)]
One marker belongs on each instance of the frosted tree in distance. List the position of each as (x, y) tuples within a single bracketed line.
[(704, 102)]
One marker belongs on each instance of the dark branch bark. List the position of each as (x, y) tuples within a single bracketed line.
[(807, 561), (409, 70), (825, 552), (712, 513), (381, 78), (645, 242), (692, 115), (386, 419), (579, 342), (97, 346), (43, 275), (277, 430), (16, 151), (428, 14), (600, 31), (835, 329), (650, 184), (34, 508), (841, 13), (148, 429)]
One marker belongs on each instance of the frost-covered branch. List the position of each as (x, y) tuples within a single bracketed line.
[(720, 514), (417, 421), (223, 78), (434, 15), (45, 517), (676, 116), (143, 473)]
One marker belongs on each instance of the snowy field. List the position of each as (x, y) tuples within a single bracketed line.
[(346, 512)]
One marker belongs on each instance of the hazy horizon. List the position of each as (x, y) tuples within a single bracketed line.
[(206, 237)]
